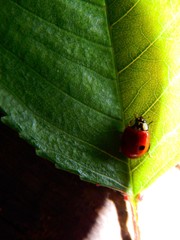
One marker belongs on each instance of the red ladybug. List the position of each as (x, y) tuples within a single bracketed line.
[(136, 139)]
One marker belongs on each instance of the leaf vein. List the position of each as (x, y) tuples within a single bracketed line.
[(61, 28), (59, 129), (77, 62), (62, 91), (138, 92), (121, 18), (149, 45)]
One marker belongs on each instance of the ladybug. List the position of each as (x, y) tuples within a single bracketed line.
[(135, 138)]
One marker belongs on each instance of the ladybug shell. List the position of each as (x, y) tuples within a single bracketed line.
[(135, 143)]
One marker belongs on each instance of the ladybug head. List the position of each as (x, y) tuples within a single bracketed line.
[(140, 124)]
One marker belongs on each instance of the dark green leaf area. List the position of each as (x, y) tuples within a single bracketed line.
[(70, 16), (53, 105), (59, 86), (62, 57)]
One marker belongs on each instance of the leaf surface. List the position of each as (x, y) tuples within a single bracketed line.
[(74, 73)]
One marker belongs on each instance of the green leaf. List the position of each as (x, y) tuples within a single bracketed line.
[(74, 73)]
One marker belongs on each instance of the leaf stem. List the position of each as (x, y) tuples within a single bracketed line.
[(133, 205)]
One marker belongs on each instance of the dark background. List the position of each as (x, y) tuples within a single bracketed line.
[(40, 202)]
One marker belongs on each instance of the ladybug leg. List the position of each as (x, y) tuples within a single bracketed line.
[(98, 185), (149, 152), (139, 197), (178, 166)]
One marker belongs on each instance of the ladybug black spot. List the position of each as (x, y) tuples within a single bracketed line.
[(141, 148)]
